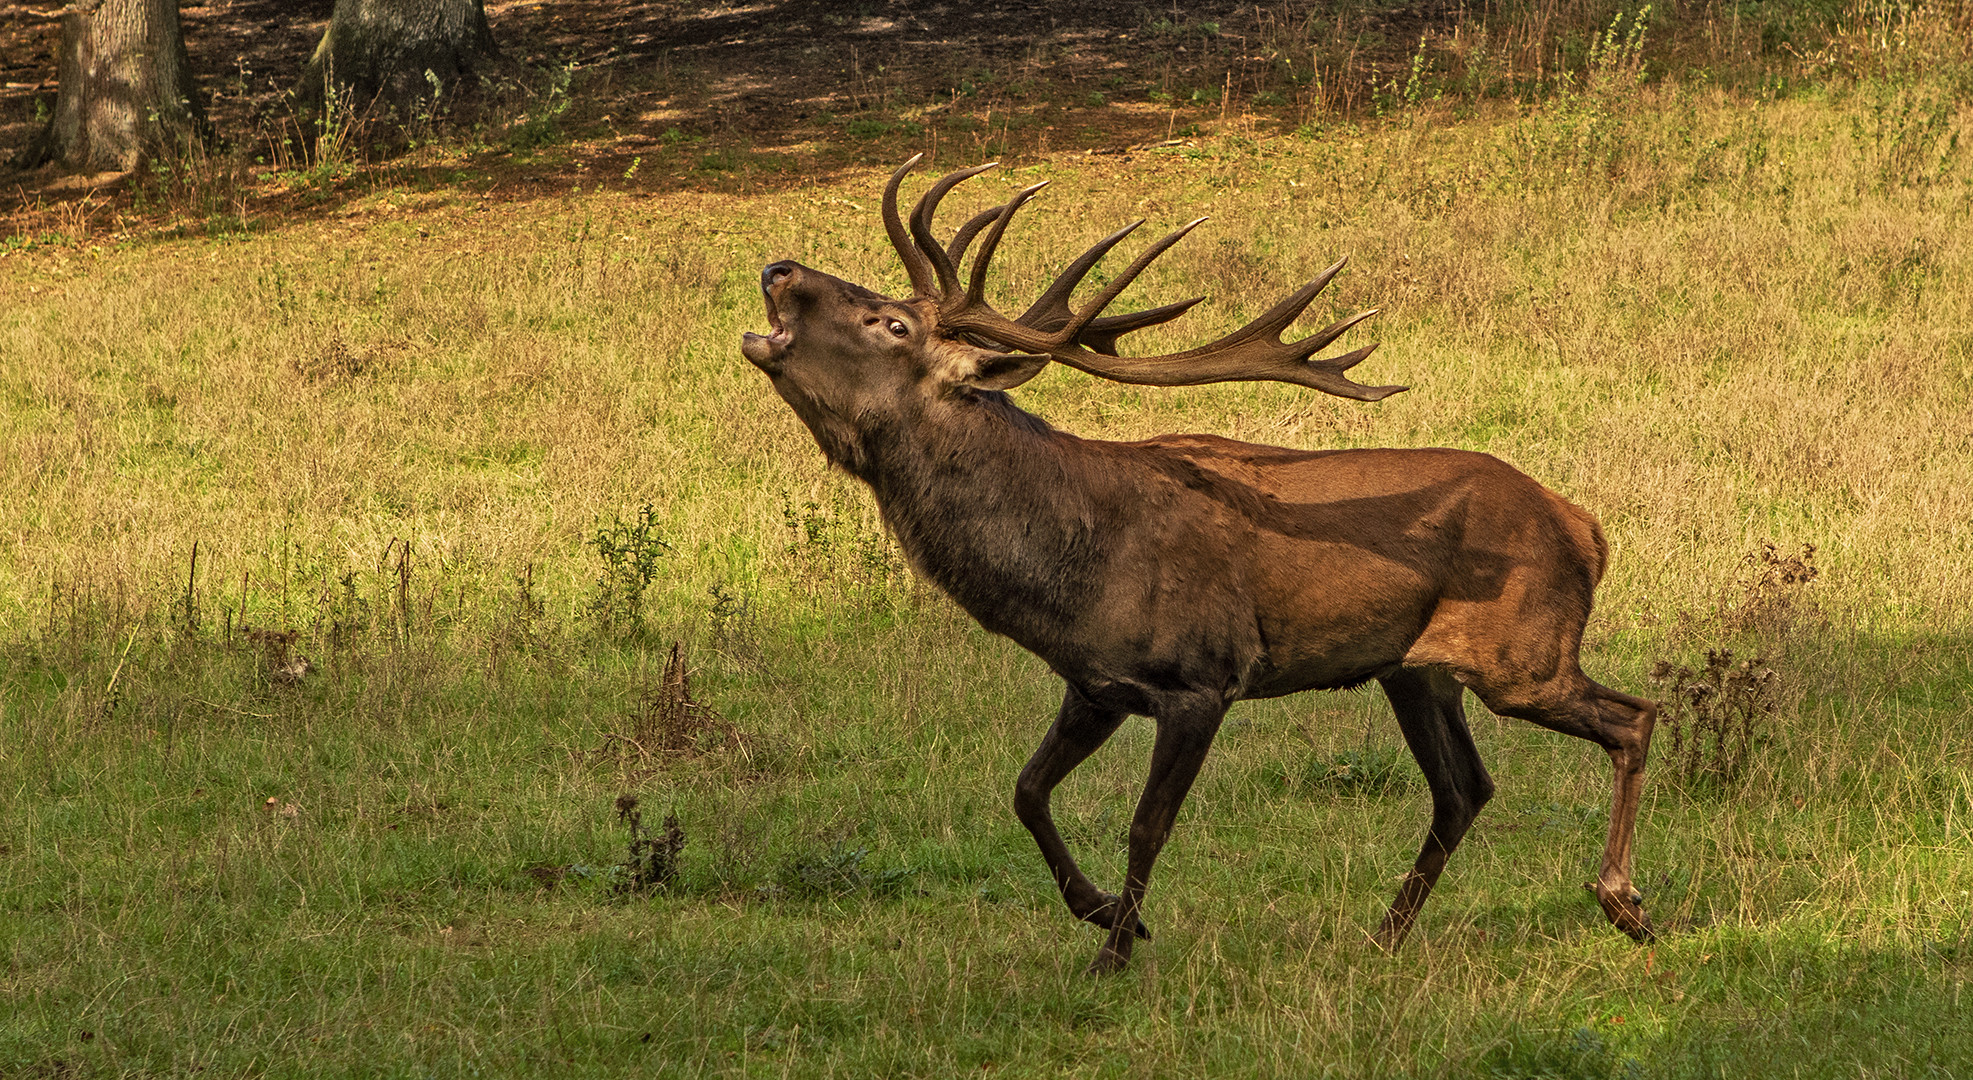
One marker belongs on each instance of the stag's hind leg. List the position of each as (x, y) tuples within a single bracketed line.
[(1621, 725), (1432, 714)]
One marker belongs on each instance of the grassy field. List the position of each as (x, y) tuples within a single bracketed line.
[(488, 460)]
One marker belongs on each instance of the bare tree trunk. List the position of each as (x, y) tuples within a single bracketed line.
[(395, 53), (126, 88)]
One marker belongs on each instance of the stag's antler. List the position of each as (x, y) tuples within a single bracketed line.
[(1087, 340)]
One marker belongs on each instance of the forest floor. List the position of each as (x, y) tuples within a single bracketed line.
[(807, 86)]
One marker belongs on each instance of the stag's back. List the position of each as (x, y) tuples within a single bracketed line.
[(1355, 560)]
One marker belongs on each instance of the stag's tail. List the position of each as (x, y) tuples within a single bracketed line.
[(1586, 533)]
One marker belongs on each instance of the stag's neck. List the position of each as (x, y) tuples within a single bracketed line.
[(988, 503)]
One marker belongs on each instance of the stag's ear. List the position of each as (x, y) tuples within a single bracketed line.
[(1002, 371)]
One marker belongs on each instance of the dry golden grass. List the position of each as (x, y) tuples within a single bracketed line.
[(1739, 331)]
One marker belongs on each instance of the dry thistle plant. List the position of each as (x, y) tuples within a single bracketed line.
[(666, 723), (285, 664), (666, 719), (1716, 717), (1770, 590), (653, 858), (338, 362)]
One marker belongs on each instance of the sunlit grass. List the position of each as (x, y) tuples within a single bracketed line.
[(1713, 322)]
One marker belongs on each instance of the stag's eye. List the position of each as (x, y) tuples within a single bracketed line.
[(898, 329)]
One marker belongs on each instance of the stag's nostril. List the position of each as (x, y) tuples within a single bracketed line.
[(775, 274)]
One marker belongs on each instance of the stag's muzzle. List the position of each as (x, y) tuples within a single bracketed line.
[(764, 350)]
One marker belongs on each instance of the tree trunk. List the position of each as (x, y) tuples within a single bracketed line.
[(393, 54), (126, 88)]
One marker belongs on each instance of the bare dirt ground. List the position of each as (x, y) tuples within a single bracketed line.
[(728, 93)]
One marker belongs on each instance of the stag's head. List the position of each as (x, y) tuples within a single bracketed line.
[(838, 351)]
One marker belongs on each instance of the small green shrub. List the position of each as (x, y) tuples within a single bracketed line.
[(630, 551), (1583, 1056), (839, 871), (1905, 131), (541, 124)]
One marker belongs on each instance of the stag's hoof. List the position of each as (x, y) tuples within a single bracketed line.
[(1625, 909), (1109, 962), (1104, 915), (1389, 936)]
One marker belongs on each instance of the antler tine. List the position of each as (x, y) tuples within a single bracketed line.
[(1054, 301), (1336, 365), (1086, 339), (955, 249), (915, 262), (1253, 352), (1101, 334), (1320, 340), (1052, 312), (1110, 292), (921, 228), (976, 285), (1280, 316), (1050, 324), (1213, 363)]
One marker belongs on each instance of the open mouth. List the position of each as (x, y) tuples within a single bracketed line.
[(773, 316), (764, 350)]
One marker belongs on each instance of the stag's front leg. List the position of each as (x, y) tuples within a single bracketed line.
[(1078, 730), (1183, 739)]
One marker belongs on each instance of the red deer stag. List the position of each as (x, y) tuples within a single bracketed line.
[(1172, 577)]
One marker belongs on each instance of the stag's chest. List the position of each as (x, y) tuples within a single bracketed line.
[(1013, 568)]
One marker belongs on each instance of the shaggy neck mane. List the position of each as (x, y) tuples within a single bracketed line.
[(982, 499)]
